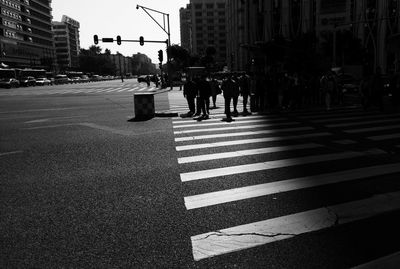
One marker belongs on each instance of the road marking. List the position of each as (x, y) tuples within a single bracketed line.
[(201, 124), (142, 89), (224, 135), (360, 123), (247, 141), (352, 131), (124, 89), (237, 194), (389, 261), (133, 89), (384, 137), (241, 153), (267, 231), (177, 122), (263, 166), (35, 110), (49, 126), (235, 127), (10, 152)]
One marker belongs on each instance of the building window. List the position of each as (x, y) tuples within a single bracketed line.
[(198, 13), (198, 6), (220, 5), (210, 6), (210, 13)]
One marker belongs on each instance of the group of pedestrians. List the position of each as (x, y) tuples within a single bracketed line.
[(198, 91)]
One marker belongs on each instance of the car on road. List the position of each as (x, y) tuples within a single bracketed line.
[(85, 78), (61, 79), (96, 78), (43, 82), (76, 80), (143, 78), (9, 83), (348, 83), (27, 81)]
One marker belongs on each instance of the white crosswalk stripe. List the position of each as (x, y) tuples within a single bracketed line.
[(258, 145)]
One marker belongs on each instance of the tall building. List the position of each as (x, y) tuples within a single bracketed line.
[(66, 40), (26, 38), (185, 25), (376, 23), (207, 27)]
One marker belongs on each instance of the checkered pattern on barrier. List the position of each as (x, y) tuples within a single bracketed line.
[(144, 105)]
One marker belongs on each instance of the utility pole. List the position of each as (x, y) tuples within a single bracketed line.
[(165, 27)]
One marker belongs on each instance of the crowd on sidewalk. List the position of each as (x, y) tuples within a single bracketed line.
[(280, 91)]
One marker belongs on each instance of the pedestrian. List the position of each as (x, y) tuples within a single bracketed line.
[(228, 88), (189, 92), (156, 81), (204, 91), (235, 96), (328, 88), (377, 89), (215, 90), (148, 81), (244, 84), (365, 90)]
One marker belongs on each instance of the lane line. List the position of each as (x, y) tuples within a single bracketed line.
[(235, 127), (177, 122), (201, 124), (361, 123), (10, 152), (263, 166), (267, 231), (384, 137), (224, 135), (364, 130), (248, 192), (247, 141), (241, 153)]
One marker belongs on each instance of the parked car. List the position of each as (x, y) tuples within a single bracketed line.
[(348, 83), (76, 80), (85, 78), (9, 83), (143, 78), (27, 81), (61, 79), (43, 81), (96, 78)]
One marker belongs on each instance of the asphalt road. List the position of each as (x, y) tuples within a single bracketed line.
[(82, 186)]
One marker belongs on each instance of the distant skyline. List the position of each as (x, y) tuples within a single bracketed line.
[(122, 18)]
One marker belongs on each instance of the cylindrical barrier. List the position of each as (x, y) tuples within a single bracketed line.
[(144, 105)]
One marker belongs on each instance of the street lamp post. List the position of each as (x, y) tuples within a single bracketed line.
[(165, 28)]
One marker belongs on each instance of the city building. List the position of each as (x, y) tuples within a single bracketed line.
[(253, 24), (123, 65), (142, 65), (26, 38), (185, 25), (207, 28), (66, 41)]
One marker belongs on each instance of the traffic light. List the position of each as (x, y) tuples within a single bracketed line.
[(118, 39), (141, 41), (160, 56), (96, 39)]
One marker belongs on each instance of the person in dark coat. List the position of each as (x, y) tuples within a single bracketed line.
[(229, 89), (189, 92), (204, 97)]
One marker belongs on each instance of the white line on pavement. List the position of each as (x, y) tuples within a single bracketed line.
[(247, 141), (224, 135), (248, 192), (254, 167), (241, 153), (267, 231), (10, 152), (235, 127), (363, 130), (219, 123)]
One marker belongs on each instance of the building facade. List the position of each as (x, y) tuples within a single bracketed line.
[(123, 65), (66, 41), (185, 27), (208, 27), (374, 22), (26, 38)]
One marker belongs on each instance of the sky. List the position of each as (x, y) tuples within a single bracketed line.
[(120, 17)]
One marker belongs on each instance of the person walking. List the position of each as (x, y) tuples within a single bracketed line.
[(244, 84), (189, 92), (328, 88), (204, 98), (215, 90), (229, 87), (235, 96)]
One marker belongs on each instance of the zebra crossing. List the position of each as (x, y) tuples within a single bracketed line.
[(259, 156), (71, 89)]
